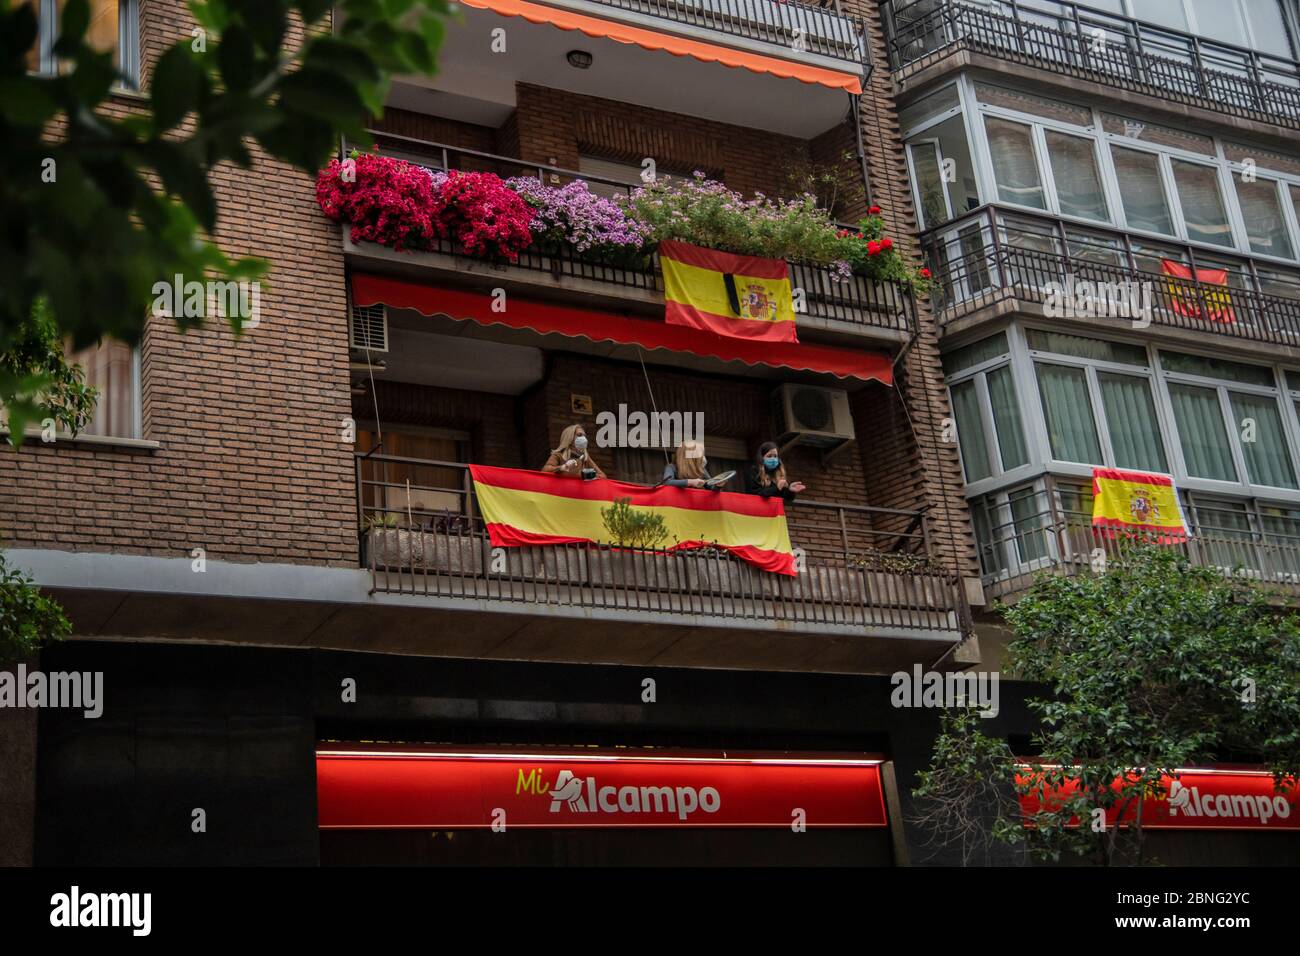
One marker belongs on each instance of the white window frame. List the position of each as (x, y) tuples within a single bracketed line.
[(978, 373), (128, 41)]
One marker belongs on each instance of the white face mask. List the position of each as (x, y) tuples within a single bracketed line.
[(580, 443)]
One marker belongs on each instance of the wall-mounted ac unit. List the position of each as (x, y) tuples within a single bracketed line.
[(814, 416), (368, 329)]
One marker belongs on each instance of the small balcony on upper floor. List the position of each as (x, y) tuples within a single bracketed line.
[(994, 262), (1230, 59), (780, 66), (832, 307)]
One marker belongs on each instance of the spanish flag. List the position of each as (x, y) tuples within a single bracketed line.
[(528, 508), (744, 297), (1211, 304), (1137, 501)]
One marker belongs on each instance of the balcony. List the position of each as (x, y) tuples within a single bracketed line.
[(777, 26), (845, 310), (868, 574), (992, 261), (1049, 530), (1083, 43)]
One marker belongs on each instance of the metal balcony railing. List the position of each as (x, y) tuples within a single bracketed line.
[(803, 27), (856, 301), (1080, 41), (1049, 530), (422, 534), (993, 255)]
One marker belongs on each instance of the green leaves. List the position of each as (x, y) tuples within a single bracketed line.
[(28, 619), (80, 224)]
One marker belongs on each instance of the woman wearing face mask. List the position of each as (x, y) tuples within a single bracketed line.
[(571, 459), (688, 469), (767, 477)]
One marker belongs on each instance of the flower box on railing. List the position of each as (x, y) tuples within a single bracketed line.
[(402, 549)]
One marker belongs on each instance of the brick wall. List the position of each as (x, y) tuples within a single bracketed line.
[(554, 124), (930, 474), (491, 420), (250, 466)]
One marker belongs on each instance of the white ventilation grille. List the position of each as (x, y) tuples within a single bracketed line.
[(369, 328)]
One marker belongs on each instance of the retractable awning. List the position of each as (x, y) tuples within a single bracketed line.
[(669, 43), (596, 326)]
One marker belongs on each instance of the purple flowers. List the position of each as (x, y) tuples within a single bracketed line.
[(572, 214)]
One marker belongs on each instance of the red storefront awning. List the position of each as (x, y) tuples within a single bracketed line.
[(362, 787), (669, 43), (543, 317)]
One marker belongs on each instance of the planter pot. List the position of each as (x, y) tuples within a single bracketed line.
[(722, 575), (559, 565), (638, 570), (400, 549)]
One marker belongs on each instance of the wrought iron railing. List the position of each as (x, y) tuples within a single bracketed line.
[(422, 533), (993, 255), (1081, 41), (805, 27), (855, 301), (1048, 529)]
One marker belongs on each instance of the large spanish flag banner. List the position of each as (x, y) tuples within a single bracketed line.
[(1137, 501), (744, 297), (522, 508), (1213, 304)]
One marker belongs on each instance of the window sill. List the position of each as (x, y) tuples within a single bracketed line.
[(91, 441)]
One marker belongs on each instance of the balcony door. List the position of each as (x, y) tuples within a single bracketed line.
[(418, 474)]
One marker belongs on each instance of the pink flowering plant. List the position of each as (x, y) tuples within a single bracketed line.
[(482, 214), (382, 199)]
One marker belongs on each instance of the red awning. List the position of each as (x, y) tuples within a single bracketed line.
[(597, 326), (678, 46)]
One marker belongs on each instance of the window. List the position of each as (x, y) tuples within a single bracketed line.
[(1074, 173), (1133, 427), (1230, 427), (990, 433), (1204, 214), (1261, 209), (114, 27), (1142, 190), (619, 172), (942, 172), (112, 369), (1015, 168), (1067, 409)]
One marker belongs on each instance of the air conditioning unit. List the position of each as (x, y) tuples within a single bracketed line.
[(368, 330), (814, 416)]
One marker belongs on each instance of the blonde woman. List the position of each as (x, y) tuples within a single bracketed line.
[(688, 467), (571, 459)]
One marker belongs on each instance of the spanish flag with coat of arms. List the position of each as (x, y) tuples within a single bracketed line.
[(1137, 501), (743, 297)]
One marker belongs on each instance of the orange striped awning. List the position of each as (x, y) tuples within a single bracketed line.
[(678, 46)]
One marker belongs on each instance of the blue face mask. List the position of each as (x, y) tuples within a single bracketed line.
[(580, 443), (771, 464)]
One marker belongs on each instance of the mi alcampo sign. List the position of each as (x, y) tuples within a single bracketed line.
[(373, 789)]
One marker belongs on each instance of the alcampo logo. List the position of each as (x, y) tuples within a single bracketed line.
[(586, 795), (1189, 802)]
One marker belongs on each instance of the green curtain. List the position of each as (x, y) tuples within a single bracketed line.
[(1268, 459), (970, 431), (1068, 412), (1131, 419), (1006, 418), (1200, 431)]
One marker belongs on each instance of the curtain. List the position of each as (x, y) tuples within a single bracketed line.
[(1141, 190), (1068, 412), (1200, 432), (1268, 459), (1014, 166), (1074, 170), (929, 184), (1131, 420), (1029, 515), (970, 431), (110, 369), (1006, 418)]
